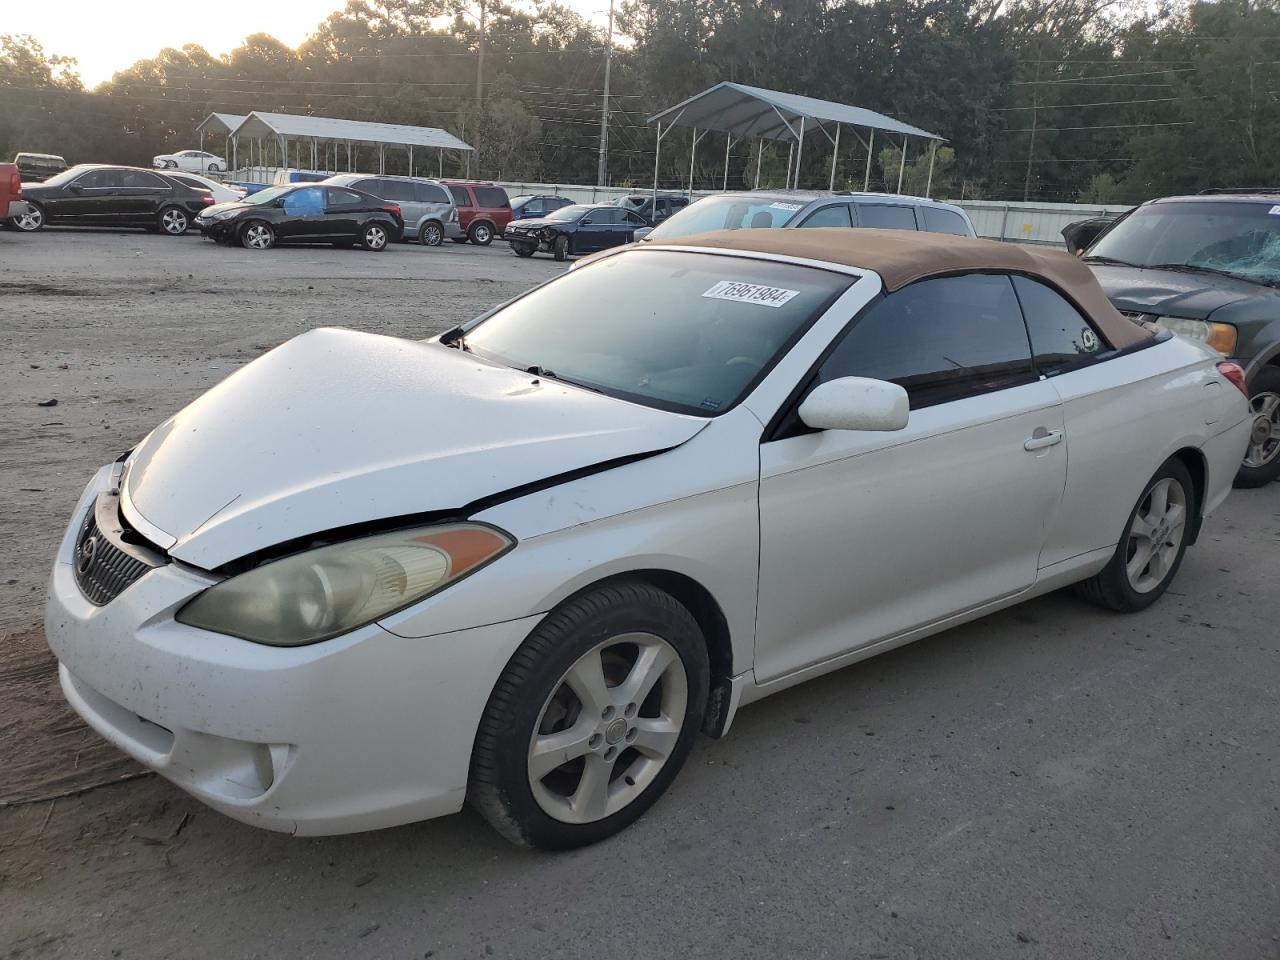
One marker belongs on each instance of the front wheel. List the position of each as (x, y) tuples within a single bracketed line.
[(30, 221), (431, 234), (522, 249), (561, 249), (257, 236), (1152, 546), (480, 234), (592, 718), (374, 237), (214, 168), (1262, 459), (174, 221)]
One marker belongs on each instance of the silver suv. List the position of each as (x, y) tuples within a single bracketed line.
[(811, 208), (425, 205)]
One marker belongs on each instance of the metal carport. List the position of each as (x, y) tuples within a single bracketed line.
[(225, 124), (284, 129), (743, 112)]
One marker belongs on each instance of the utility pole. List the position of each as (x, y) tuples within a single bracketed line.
[(1031, 147), (602, 169), (480, 59)]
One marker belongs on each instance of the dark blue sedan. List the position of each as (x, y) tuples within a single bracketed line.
[(569, 231)]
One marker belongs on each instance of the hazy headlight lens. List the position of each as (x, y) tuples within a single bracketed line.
[(1219, 336), (325, 592)]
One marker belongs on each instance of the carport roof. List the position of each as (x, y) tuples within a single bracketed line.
[(295, 127), (224, 122), (748, 112)]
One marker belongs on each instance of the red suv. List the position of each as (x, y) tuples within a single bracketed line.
[(484, 210)]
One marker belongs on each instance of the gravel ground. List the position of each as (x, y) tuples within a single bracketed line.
[(1052, 781)]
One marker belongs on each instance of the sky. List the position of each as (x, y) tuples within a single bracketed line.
[(139, 29)]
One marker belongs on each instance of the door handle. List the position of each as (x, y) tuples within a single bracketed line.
[(1041, 438)]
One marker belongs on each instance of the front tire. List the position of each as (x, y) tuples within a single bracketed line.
[(522, 249), (257, 235), (560, 249), (174, 221), (431, 234), (32, 220), (481, 234), (1151, 549), (1262, 459), (214, 168), (592, 718)]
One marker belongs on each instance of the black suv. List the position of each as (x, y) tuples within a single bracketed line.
[(1207, 267), (92, 195)]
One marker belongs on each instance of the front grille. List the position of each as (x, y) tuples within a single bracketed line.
[(104, 567)]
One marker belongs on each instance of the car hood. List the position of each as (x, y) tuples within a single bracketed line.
[(1172, 293), (224, 206), (335, 428), (540, 222)]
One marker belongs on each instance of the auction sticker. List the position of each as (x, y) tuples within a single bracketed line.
[(750, 293)]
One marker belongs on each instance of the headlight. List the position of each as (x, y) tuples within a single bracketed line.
[(1219, 336), (322, 593), (223, 215)]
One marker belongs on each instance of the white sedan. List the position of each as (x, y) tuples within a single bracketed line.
[(222, 192), (364, 580), (193, 161)]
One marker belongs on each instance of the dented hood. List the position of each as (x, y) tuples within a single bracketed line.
[(335, 428)]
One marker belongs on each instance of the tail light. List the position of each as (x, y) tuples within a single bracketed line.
[(204, 199), (1235, 373), (393, 209), (15, 184)]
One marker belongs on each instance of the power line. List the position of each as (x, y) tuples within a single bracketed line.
[(1097, 103), (1114, 126), (1108, 76)]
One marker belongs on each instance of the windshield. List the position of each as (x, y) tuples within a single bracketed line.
[(268, 194), (1240, 239), (725, 213), (689, 332), (567, 213)]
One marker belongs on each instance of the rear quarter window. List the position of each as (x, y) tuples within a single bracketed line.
[(937, 220), (491, 197), (429, 193), (886, 216), (1061, 338)]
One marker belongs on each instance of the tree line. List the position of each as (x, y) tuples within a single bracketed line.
[(1060, 100)]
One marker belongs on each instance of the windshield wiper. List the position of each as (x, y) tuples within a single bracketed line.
[(1112, 261), (456, 338), (540, 371)]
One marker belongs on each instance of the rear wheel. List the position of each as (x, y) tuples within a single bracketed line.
[(257, 235), (30, 221), (481, 234), (374, 237), (591, 719), (1152, 547), (174, 221), (431, 234), (1262, 459)]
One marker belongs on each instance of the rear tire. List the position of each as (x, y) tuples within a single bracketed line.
[(31, 221), (256, 235), (569, 682), (174, 221), (431, 234), (374, 237), (1262, 459), (1152, 546), (481, 234)]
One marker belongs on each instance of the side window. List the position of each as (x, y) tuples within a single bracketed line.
[(429, 193), (461, 196), (532, 209), (141, 179), (491, 197), (307, 202), (632, 219), (834, 215), (942, 340), (340, 198), (96, 178), (1061, 338), (370, 186), (399, 190), (937, 220), (886, 216)]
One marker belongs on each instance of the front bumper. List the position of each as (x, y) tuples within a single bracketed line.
[(18, 208), (216, 229), (365, 731), (538, 242)]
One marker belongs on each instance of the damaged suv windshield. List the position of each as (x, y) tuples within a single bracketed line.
[(1236, 238)]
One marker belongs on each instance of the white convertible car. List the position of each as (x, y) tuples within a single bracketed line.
[(363, 579)]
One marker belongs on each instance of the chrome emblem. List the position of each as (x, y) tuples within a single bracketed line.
[(85, 556)]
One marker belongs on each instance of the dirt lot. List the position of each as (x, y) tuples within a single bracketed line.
[(1049, 782)]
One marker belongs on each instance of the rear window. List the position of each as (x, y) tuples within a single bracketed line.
[(885, 216), (937, 220), (490, 196)]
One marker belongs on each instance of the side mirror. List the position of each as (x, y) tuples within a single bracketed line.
[(856, 403), (642, 232), (1080, 234), (76, 188)]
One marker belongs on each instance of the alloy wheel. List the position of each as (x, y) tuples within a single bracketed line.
[(431, 235), (482, 234), (1156, 535), (608, 728), (375, 238), (258, 236), (174, 222), (33, 219), (1264, 440)]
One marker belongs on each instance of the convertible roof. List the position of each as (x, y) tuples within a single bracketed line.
[(901, 257)]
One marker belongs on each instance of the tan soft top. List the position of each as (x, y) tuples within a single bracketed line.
[(901, 257)]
